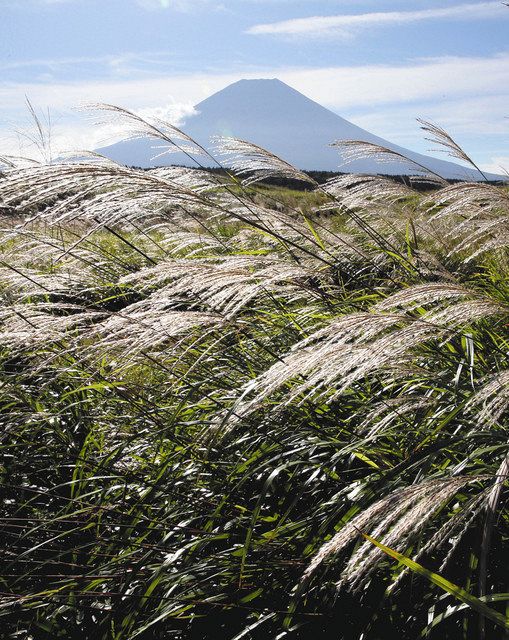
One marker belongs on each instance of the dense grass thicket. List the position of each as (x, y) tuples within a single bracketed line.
[(234, 412)]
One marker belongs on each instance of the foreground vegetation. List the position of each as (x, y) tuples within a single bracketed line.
[(233, 412)]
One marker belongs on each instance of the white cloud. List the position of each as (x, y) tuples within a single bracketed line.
[(336, 87), (70, 132), (176, 113), (467, 116), (437, 79), (497, 164), (347, 25)]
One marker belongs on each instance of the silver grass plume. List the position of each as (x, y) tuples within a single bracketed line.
[(16, 162), (332, 359), (492, 399), (389, 412), (466, 201), (352, 150), (423, 295), (224, 285), (26, 283), (477, 210), (104, 193), (147, 326), (494, 242), (451, 147), (394, 520), (355, 191), (191, 244), (285, 230), (190, 178), (475, 307), (38, 255), (255, 162), (369, 197), (28, 326), (449, 534)]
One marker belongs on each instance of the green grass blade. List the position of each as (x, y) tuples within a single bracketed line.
[(457, 592)]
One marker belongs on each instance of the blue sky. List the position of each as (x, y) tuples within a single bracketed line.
[(378, 63)]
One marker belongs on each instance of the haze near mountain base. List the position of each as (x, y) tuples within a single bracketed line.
[(275, 116)]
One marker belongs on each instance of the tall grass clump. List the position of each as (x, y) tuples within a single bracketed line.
[(226, 415)]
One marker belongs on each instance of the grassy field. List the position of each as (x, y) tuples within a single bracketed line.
[(243, 412)]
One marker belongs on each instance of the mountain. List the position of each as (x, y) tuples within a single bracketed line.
[(274, 116)]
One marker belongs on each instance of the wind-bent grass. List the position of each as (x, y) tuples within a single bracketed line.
[(211, 390)]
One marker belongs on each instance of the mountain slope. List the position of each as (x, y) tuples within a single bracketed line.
[(279, 118)]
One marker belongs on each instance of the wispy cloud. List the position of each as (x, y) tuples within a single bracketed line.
[(29, 4), (183, 6), (111, 60), (347, 25)]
